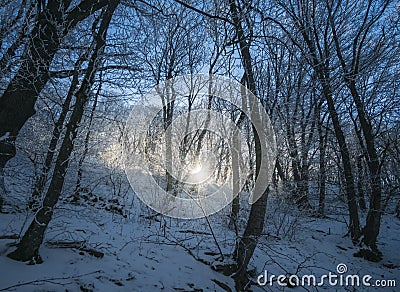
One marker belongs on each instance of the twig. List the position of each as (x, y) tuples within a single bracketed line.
[(48, 280), (80, 245)]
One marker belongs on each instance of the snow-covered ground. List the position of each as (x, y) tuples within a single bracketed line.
[(143, 252), (163, 254)]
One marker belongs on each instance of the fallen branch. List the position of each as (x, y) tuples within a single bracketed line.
[(48, 280), (194, 232), (222, 285), (80, 245)]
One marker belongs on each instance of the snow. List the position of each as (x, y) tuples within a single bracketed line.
[(143, 252), (146, 255), (136, 259)]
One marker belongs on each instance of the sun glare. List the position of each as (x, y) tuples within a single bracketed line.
[(196, 168)]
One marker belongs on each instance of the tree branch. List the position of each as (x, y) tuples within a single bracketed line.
[(83, 10), (203, 12)]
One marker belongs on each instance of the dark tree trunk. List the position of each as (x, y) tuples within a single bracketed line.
[(246, 245), (299, 192), (168, 101), (322, 165), (236, 154), (373, 222), (280, 171), (360, 182), (18, 100), (17, 104), (350, 73), (321, 67), (354, 224), (28, 248), (207, 122), (235, 179), (298, 153), (168, 153), (41, 180), (78, 186)]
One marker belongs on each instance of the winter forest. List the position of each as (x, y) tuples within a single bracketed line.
[(223, 145)]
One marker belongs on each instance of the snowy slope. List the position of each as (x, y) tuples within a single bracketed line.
[(146, 255)]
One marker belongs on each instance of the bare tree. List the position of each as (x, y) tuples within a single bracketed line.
[(354, 61), (28, 247), (168, 36), (315, 45), (58, 126)]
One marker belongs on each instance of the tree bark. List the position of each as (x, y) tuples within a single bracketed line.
[(299, 191), (360, 181), (18, 100), (17, 104)]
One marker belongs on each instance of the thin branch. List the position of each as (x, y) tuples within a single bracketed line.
[(48, 280), (203, 12)]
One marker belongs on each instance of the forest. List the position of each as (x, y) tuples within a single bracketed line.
[(182, 145)]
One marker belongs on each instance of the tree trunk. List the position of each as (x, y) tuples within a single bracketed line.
[(28, 248), (245, 247), (18, 101), (41, 180), (373, 222), (17, 104), (299, 192), (372, 226), (2, 189), (354, 225), (168, 101), (360, 181), (235, 179), (322, 166), (322, 72), (86, 146), (236, 154)]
